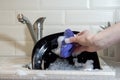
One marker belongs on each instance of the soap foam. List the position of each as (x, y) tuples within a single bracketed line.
[(62, 64)]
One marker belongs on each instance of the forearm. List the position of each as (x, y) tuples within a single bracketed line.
[(107, 37)]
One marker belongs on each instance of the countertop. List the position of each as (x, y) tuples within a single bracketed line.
[(12, 68)]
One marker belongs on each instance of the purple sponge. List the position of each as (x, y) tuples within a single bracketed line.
[(67, 48)]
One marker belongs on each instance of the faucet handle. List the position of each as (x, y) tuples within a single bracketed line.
[(20, 18)]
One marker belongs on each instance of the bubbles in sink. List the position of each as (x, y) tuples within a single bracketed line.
[(62, 64), (88, 65)]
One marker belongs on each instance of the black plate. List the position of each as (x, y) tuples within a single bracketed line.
[(42, 55)]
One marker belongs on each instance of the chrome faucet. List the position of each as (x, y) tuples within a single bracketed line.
[(106, 26), (36, 30), (38, 27)]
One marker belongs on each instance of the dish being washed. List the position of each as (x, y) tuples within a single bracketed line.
[(48, 49)]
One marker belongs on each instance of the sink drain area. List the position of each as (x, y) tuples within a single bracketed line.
[(17, 68)]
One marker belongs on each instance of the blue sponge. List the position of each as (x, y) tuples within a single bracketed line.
[(67, 48)]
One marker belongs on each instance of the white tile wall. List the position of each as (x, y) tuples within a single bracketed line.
[(79, 15), (7, 17), (24, 48), (111, 4), (7, 48), (14, 33), (113, 53), (89, 16), (19, 4), (50, 29), (118, 16), (64, 4)]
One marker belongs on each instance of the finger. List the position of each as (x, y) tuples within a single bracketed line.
[(71, 40), (76, 38), (79, 49), (83, 32)]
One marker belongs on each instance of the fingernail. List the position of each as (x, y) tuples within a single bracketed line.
[(67, 40)]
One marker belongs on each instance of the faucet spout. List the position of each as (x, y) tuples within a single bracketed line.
[(38, 27), (21, 18)]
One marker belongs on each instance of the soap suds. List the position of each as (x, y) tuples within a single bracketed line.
[(62, 64), (57, 50)]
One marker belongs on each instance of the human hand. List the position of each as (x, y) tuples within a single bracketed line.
[(84, 42)]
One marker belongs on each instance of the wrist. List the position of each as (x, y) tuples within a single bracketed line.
[(97, 42)]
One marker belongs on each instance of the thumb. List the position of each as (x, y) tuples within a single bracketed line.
[(71, 40)]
